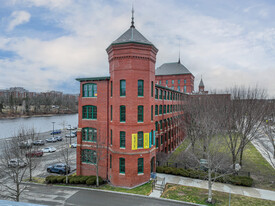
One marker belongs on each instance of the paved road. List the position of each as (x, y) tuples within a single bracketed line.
[(51, 195), (264, 146)]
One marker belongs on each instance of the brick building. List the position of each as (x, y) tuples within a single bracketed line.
[(126, 118)]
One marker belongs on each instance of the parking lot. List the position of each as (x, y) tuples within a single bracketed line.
[(55, 157)]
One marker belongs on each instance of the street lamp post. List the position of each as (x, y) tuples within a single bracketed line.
[(70, 135), (53, 128)]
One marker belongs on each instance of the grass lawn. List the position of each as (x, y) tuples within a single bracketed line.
[(180, 149), (141, 190), (261, 171), (199, 196)]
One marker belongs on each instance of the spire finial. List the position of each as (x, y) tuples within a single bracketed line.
[(179, 52), (132, 23)]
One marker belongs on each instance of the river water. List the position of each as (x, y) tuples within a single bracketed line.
[(9, 127)]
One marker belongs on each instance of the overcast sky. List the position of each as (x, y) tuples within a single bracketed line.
[(46, 44)]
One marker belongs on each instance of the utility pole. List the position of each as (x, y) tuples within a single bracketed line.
[(53, 128), (70, 135)]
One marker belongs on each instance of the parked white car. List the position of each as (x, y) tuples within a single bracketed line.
[(49, 149), (17, 163), (73, 145)]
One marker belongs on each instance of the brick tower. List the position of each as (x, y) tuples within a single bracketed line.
[(132, 152)]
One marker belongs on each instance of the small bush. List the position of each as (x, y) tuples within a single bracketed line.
[(91, 180), (160, 170), (184, 173), (83, 179), (71, 180), (175, 171), (49, 178), (168, 170), (240, 180), (60, 179)]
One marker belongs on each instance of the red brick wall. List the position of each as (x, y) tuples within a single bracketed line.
[(131, 62), (101, 124), (188, 77)]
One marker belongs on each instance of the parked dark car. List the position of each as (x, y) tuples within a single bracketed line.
[(56, 132), (38, 142), (59, 168), (37, 153)]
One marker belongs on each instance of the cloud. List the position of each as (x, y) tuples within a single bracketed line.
[(17, 18), (226, 50)]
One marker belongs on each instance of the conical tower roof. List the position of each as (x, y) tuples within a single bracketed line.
[(132, 35), (201, 83)]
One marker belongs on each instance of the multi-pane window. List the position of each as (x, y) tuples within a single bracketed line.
[(110, 161), (156, 110), (172, 81), (160, 94), (160, 122), (122, 165), (157, 142), (111, 88), (164, 95), (160, 109), (140, 113), (122, 139), (111, 142), (156, 125), (152, 112), (179, 88), (122, 113), (159, 82), (184, 88), (140, 87), (168, 94), (164, 109), (111, 113), (152, 88), (89, 90), (156, 93), (89, 112), (152, 137), (140, 165), (89, 134), (122, 87), (185, 81), (88, 156), (166, 81), (140, 139), (178, 81)]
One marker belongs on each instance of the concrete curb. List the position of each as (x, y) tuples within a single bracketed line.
[(115, 192)]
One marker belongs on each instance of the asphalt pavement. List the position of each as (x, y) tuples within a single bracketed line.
[(54, 195)]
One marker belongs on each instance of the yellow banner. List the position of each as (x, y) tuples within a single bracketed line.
[(146, 140), (134, 141)]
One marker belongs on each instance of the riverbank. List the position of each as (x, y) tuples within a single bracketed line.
[(41, 123), (14, 116)]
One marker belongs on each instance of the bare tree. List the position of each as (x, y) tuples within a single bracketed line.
[(205, 125), (96, 154), (13, 166), (31, 152), (243, 116)]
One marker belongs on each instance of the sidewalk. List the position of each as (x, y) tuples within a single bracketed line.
[(246, 191)]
